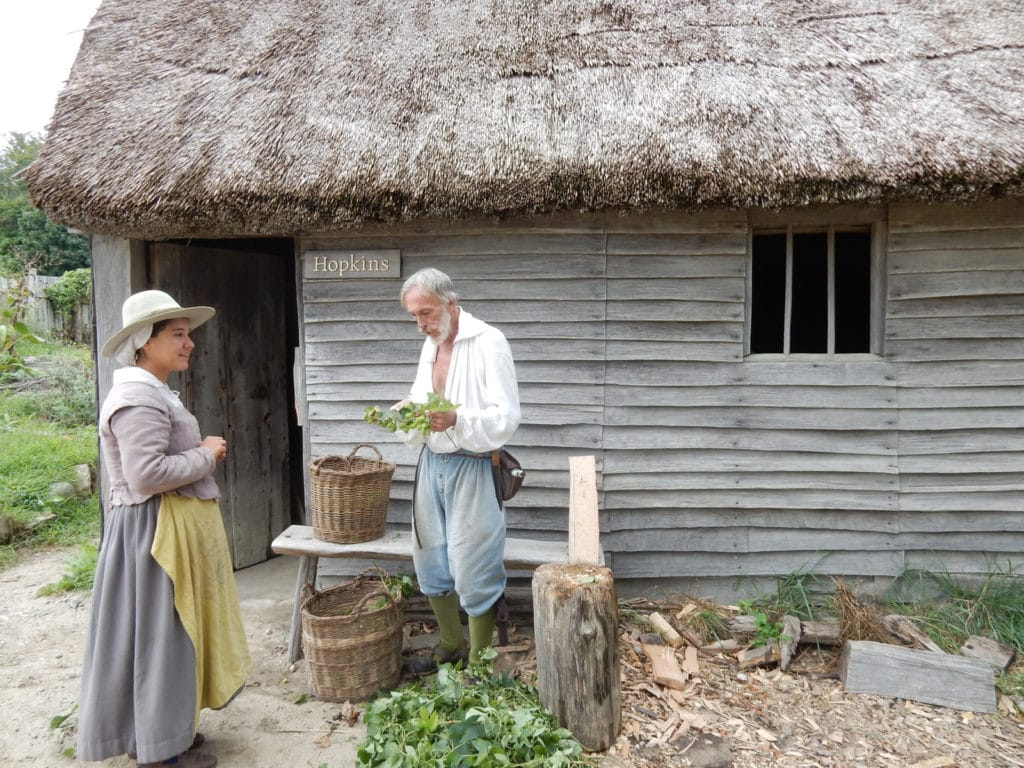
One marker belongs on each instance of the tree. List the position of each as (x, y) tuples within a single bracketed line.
[(27, 237)]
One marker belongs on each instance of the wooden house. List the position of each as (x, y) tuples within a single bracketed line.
[(763, 260)]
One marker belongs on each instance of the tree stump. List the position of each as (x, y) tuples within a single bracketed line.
[(575, 622)]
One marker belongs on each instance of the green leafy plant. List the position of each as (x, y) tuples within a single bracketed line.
[(62, 720), (766, 631), (459, 719), (410, 417), (13, 331)]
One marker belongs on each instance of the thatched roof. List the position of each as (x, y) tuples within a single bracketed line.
[(279, 116)]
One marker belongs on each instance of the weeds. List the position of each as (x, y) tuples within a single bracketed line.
[(949, 610), (81, 569)]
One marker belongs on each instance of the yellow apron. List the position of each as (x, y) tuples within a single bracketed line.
[(192, 548)]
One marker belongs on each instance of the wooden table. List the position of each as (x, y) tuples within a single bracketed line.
[(298, 541)]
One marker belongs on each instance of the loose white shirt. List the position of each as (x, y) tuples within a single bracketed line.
[(481, 381)]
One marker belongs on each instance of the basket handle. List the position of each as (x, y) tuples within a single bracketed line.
[(352, 453), (380, 574), (315, 466)]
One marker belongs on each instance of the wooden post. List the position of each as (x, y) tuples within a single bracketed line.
[(575, 622), (584, 529)]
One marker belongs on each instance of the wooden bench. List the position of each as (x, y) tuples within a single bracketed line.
[(298, 541)]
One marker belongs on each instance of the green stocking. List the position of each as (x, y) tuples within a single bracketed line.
[(446, 611), (481, 634)]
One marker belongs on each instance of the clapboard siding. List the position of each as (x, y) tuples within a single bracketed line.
[(628, 335), (556, 326), (955, 334)]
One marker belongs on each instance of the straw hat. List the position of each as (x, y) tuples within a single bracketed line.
[(148, 307)]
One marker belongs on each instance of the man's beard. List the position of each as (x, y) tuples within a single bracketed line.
[(444, 326)]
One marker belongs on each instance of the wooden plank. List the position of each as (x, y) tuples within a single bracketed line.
[(824, 632), (888, 670), (666, 630), (298, 540), (906, 630), (760, 656), (584, 529), (999, 655), (664, 667)]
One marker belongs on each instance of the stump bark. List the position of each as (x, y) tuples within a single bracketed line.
[(575, 624)]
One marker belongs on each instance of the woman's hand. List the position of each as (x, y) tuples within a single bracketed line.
[(218, 446)]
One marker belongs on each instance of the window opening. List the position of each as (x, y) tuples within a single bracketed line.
[(811, 291)]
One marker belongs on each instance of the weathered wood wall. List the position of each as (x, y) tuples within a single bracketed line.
[(628, 338)]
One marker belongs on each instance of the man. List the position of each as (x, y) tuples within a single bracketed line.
[(458, 522)]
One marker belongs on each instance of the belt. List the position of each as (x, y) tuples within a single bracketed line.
[(468, 455)]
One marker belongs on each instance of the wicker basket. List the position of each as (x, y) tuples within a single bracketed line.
[(352, 638), (350, 496)]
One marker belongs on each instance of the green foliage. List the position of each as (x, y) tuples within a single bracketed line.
[(27, 236), (411, 416), (766, 631), (13, 331), (63, 720), (458, 719), (73, 288), (36, 451), (63, 390), (79, 576)]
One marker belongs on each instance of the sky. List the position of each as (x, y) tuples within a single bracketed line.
[(38, 43)]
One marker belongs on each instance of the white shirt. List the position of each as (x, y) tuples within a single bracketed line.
[(481, 382)]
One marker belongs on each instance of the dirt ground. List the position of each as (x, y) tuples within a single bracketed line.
[(41, 641), (723, 718)]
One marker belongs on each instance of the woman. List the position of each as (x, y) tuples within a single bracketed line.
[(165, 636)]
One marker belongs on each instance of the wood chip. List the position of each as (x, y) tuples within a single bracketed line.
[(944, 761)]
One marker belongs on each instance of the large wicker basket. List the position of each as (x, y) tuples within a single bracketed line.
[(350, 496), (352, 638)]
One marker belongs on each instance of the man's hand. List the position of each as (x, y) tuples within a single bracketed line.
[(442, 420)]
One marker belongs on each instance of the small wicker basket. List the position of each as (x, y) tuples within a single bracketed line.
[(352, 638), (349, 496)]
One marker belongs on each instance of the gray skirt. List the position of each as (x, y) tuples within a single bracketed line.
[(138, 691)]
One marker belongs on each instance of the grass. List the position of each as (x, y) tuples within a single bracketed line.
[(47, 427)]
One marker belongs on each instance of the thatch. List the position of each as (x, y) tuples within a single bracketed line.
[(279, 116)]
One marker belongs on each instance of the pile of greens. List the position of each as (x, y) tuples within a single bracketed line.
[(458, 719)]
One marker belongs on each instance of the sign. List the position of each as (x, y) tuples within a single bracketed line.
[(345, 265)]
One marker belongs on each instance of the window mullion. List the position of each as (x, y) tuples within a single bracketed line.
[(789, 290), (831, 290)]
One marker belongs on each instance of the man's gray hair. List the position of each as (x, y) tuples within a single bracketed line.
[(430, 282)]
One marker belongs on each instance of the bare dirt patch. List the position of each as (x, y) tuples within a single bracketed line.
[(41, 641)]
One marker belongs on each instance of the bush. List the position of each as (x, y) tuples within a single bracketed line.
[(72, 289)]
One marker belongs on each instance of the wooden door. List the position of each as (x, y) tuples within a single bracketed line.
[(239, 381)]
